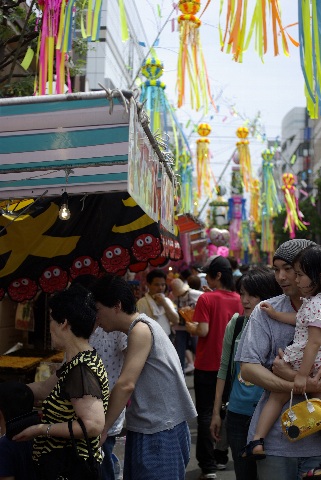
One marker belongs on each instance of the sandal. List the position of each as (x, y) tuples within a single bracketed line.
[(248, 454), (313, 474)]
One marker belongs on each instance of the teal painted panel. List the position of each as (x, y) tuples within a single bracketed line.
[(109, 177), (108, 161), (63, 140), (24, 109)]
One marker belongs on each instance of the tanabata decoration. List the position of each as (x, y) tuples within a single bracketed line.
[(244, 156), (152, 93), (185, 172), (162, 119), (219, 237), (309, 38), (255, 204), (245, 240), (236, 214), (191, 60), (236, 38), (203, 168), (55, 40), (294, 218), (270, 203)]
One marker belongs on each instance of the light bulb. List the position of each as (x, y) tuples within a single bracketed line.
[(64, 212)]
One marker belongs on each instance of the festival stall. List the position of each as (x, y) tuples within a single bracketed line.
[(85, 189)]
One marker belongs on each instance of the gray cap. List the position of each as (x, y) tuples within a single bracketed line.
[(287, 251), (215, 264)]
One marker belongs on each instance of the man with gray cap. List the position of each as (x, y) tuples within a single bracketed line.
[(212, 313), (259, 351)]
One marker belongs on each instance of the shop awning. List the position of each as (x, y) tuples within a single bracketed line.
[(105, 233), (188, 223)]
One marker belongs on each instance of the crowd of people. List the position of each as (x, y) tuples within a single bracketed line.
[(251, 338)]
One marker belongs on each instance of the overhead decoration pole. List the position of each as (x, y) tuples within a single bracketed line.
[(203, 168), (191, 60), (271, 205), (294, 218), (244, 156)]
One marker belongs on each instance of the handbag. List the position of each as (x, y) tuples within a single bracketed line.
[(67, 464), (18, 424), (303, 419)]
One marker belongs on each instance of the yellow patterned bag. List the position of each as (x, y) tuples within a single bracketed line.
[(303, 419)]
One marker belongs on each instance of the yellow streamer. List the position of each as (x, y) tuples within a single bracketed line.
[(123, 22), (27, 59)]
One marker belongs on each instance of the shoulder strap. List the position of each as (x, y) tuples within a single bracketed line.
[(228, 381), (237, 330), (74, 443)]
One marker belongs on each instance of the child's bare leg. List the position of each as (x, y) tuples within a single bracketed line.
[(270, 413)]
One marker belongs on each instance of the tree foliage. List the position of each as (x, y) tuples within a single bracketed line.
[(18, 32)]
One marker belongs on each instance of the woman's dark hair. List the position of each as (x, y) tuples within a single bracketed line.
[(112, 290), (16, 399), (259, 282), (227, 280), (157, 273), (76, 305), (309, 260)]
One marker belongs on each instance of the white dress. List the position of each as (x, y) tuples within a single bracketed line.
[(309, 315)]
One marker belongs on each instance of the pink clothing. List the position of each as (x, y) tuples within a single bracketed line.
[(215, 308), (309, 315)]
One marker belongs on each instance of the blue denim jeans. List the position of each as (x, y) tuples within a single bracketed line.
[(237, 426), (108, 472), (285, 468)]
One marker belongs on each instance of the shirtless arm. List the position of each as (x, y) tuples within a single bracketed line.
[(138, 348)]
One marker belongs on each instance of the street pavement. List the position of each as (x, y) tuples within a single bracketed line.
[(193, 471)]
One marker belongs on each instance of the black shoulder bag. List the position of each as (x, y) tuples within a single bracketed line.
[(228, 381), (66, 463), (85, 469)]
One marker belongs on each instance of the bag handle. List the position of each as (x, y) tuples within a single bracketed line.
[(310, 406), (74, 443)]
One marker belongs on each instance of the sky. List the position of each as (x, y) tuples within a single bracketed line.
[(242, 91)]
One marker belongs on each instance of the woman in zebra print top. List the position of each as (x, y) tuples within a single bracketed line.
[(78, 389)]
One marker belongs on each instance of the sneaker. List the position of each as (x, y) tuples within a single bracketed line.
[(207, 476), (189, 368), (221, 466)]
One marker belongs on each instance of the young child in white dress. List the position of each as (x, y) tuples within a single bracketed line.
[(304, 354)]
